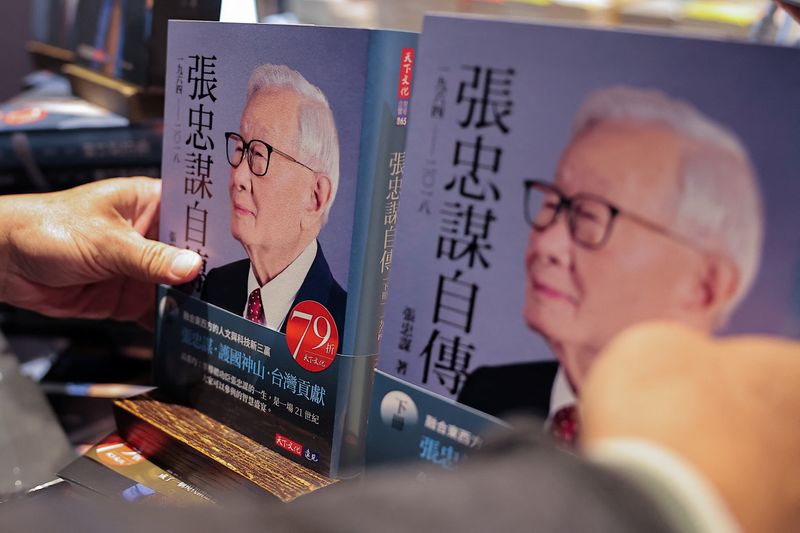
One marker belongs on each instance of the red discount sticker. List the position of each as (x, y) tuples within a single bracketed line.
[(312, 336), (25, 115)]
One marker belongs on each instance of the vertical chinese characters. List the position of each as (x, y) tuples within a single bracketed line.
[(197, 148), (484, 105), (404, 86)]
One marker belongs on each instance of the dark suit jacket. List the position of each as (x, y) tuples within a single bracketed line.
[(518, 388), (226, 287)]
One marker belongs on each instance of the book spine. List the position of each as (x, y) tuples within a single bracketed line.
[(382, 153), (139, 145), (383, 136)]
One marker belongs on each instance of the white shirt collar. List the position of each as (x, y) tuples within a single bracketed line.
[(278, 294), (561, 394)]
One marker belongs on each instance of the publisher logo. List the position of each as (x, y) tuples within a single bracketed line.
[(288, 444), (406, 72), (404, 86), (312, 336)]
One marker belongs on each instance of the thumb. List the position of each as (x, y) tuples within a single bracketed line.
[(155, 262)]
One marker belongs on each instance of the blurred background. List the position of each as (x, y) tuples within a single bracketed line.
[(720, 18)]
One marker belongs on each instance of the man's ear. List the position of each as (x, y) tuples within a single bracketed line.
[(319, 198), (717, 284)]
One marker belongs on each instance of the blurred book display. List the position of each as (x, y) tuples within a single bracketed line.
[(551, 198), (50, 140), (705, 17), (112, 50), (722, 18), (106, 121), (115, 470), (52, 41), (293, 147), (120, 48)]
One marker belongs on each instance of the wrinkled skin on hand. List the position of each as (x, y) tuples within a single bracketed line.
[(86, 252)]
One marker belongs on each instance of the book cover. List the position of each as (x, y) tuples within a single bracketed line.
[(408, 423), (564, 183), (47, 126), (122, 146), (50, 105), (283, 152), (114, 469)]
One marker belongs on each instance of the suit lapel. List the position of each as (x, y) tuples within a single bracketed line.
[(316, 286)]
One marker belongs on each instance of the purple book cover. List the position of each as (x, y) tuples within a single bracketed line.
[(564, 183)]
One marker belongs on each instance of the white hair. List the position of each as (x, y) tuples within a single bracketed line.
[(719, 199), (318, 139)]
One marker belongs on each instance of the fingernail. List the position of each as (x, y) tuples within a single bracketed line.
[(184, 263)]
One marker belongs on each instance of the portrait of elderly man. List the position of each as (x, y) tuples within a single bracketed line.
[(284, 173), (654, 213)]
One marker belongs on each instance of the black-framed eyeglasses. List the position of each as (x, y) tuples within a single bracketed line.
[(258, 153), (590, 218)]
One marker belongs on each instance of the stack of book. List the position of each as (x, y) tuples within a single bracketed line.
[(50, 140)]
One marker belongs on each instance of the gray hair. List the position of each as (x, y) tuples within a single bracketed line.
[(319, 142), (719, 199)]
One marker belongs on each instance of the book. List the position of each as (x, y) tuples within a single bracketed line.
[(134, 145), (531, 229), (47, 126), (207, 453), (127, 40), (249, 181), (117, 471), (48, 104), (52, 32), (408, 423)]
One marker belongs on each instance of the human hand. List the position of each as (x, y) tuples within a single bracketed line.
[(86, 252), (729, 407), (792, 8)]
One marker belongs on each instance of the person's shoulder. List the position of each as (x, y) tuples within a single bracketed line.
[(320, 274), (222, 282), (320, 286), (505, 389), (237, 267), (337, 304), (338, 294)]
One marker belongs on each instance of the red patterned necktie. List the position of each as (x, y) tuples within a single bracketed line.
[(564, 426), (255, 310)]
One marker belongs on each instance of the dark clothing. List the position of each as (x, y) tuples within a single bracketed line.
[(226, 287), (518, 483), (507, 389)]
